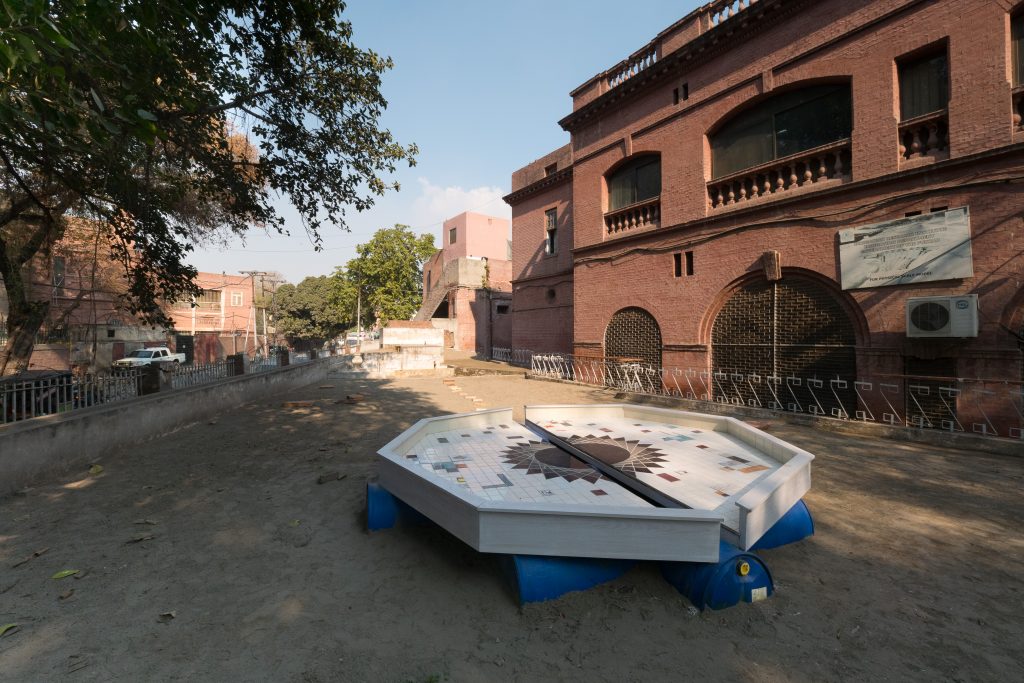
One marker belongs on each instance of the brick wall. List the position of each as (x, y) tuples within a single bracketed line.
[(851, 41)]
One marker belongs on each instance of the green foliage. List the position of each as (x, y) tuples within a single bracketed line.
[(315, 310), (169, 119), (389, 272)]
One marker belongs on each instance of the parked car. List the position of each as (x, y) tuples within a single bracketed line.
[(140, 357)]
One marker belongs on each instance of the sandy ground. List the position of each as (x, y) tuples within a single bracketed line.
[(915, 572)]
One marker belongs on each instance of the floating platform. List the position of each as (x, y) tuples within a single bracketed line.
[(607, 484)]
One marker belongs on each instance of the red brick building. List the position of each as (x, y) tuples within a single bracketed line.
[(768, 186)]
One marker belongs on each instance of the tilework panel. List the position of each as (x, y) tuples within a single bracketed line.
[(510, 463), (705, 470)]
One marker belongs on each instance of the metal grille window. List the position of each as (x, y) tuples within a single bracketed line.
[(633, 334), (551, 230), (782, 126), (793, 330), (635, 182), (924, 85), (1017, 45)]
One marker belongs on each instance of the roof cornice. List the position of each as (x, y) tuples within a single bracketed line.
[(533, 188)]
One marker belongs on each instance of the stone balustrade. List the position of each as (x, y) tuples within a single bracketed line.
[(829, 162), (632, 66), (1018, 109), (925, 136), (723, 10), (639, 215)]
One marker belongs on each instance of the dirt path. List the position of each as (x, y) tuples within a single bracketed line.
[(914, 574)]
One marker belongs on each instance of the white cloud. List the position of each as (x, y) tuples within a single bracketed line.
[(436, 204)]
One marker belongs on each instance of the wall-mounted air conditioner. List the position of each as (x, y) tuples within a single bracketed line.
[(942, 316)]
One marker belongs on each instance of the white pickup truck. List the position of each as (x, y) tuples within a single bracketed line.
[(140, 357)]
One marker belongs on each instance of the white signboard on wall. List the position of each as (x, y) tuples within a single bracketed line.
[(932, 246)]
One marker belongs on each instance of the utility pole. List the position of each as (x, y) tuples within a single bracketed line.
[(252, 305)]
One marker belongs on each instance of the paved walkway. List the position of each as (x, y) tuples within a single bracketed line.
[(214, 554)]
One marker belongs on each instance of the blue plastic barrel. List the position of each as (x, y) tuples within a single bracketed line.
[(795, 525), (535, 578), (384, 510), (738, 576)]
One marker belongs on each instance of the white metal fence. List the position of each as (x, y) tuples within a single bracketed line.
[(519, 357), (982, 406)]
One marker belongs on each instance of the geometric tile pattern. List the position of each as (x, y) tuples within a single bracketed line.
[(510, 463), (700, 468)]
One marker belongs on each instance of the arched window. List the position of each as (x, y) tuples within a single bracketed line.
[(633, 334), (781, 126), (635, 182)]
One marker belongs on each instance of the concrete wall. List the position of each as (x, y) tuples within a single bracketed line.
[(47, 446), (411, 334), (409, 361)]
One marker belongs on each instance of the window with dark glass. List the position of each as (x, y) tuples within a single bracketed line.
[(635, 182), (551, 230), (58, 271), (1017, 48), (924, 85), (451, 236), (786, 124)]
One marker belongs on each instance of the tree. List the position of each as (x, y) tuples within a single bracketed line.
[(313, 311), (388, 271), (167, 120)]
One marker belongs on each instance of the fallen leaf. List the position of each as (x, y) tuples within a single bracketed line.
[(144, 521), (294, 522), (212, 422), (140, 539), (29, 558), (64, 573), (164, 617), (96, 469), (67, 594), (5, 628), (326, 386)]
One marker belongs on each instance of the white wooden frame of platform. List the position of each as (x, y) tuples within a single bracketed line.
[(616, 531)]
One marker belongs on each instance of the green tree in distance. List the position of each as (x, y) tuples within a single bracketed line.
[(314, 311), (388, 271), (169, 119)]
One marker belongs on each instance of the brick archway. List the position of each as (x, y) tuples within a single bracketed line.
[(633, 333), (790, 328)]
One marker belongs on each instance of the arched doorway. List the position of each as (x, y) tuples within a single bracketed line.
[(634, 334), (793, 329)]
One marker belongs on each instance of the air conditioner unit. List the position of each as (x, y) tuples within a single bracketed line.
[(942, 316)]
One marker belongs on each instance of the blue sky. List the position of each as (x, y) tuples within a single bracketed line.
[(479, 86)]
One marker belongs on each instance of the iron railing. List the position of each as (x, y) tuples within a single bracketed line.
[(22, 399), (954, 404), (519, 357), (190, 375)]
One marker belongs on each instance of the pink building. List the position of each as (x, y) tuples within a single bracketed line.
[(223, 320), (467, 283)]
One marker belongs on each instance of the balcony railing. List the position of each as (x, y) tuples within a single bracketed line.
[(925, 136), (640, 215), (1018, 108), (829, 162), (724, 10), (632, 66)]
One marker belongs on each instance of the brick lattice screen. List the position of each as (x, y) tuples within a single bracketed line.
[(789, 328), (633, 333)]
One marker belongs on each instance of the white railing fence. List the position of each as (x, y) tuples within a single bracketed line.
[(987, 407), (518, 357)]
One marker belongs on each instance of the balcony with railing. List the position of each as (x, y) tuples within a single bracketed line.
[(812, 169), (1018, 109), (645, 214), (924, 139)]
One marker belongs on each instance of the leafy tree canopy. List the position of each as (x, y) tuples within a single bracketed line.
[(389, 272), (314, 310), (167, 119)]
